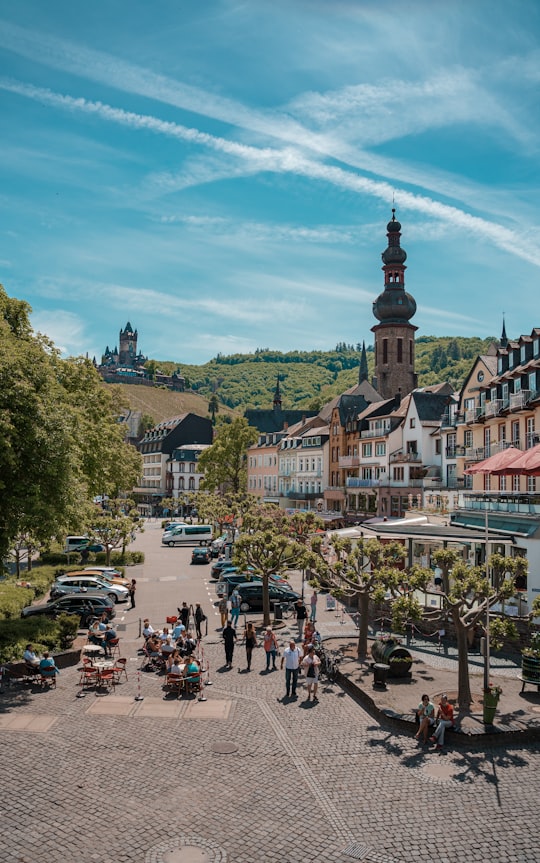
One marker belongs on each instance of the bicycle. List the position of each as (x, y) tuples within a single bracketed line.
[(330, 661)]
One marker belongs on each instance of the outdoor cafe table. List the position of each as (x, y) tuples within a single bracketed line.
[(93, 650)]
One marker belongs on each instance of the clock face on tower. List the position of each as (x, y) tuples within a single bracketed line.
[(480, 376)]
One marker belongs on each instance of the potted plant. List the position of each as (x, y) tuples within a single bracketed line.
[(530, 660), (491, 700)]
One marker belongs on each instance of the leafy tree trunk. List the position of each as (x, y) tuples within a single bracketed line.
[(464, 685), (363, 608)]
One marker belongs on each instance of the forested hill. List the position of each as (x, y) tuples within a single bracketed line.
[(311, 378)]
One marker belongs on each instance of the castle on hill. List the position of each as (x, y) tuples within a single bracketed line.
[(126, 365)]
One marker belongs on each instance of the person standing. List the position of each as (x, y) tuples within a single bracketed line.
[(291, 658), (184, 614), (301, 616), (222, 608), (200, 616), (235, 607), (311, 664), (271, 648), (131, 590), (313, 604), (229, 637), (250, 639)]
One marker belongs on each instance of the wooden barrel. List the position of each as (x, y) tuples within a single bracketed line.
[(391, 653)]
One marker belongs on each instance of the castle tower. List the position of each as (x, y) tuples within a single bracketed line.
[(128, 346), (394, 335)]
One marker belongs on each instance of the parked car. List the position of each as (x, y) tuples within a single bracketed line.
[(229, 580), (65, 584), (218, 545), (221, 566), (85, 605), (251, 594), (200, 555), (106, 573)]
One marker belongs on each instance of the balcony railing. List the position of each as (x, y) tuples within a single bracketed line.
[(349, 461), (356, 482), (472, 414), (519, 400), (382, 432), (493, 407), (404, 457)]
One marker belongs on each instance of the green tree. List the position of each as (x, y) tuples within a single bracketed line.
[(467, 596), (38, 488), (213, 407), (116, 526), (367, 570), (271, 544), (225, 462)]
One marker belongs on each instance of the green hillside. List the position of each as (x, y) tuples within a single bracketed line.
[(311, 378)]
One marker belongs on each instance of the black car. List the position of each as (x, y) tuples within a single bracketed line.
[(217, 568), (85, 606), (200, 555), (251, 594)]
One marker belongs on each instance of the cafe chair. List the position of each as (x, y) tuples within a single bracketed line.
[(107, 679), (114, 646), (119, 669), (48, 677)]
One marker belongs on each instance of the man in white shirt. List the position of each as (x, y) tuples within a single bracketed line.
[(148, 630), (31, 658), (291, 658)]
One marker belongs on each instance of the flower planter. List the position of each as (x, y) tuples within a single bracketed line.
[(491, 701), (530, 669), (392, 654)]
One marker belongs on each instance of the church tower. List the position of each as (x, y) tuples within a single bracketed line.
[(128, 346), (394, 335)]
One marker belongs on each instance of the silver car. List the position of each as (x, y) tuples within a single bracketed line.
[(66, 584)]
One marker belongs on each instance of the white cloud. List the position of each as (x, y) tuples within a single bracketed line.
[(64, 328), (289, 161)]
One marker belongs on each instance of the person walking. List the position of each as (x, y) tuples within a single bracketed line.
[(301, 616), (271, 648), (131, 590), (200, 617), (311, 664), (229, 637), (291, 658), (313, 604), (236, 601), (222, 608), (250, 639)]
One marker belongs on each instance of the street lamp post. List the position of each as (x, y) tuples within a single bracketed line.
[(486, 640)]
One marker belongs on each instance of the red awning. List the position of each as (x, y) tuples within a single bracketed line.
[(527, 463), (498, 463)]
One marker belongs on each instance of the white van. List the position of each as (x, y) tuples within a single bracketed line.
[(194, 534), (76, 543)]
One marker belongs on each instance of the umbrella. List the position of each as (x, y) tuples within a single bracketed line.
[(501, 462), (527, 463)]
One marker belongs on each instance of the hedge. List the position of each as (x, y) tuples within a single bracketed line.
[(41, 632)]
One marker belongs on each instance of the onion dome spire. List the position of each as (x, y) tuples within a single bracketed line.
[(394, 305)]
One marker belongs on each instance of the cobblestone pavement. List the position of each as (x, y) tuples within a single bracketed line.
[(115, 779)]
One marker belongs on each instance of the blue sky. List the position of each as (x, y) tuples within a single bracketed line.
[(221, 173)]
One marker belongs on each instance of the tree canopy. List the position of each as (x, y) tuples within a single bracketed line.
[(60, 442), (224, 464)]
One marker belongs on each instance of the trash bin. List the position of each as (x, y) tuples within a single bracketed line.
[(380, 673), (278, 611)]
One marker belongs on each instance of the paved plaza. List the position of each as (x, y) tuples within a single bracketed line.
[(243, 776)]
